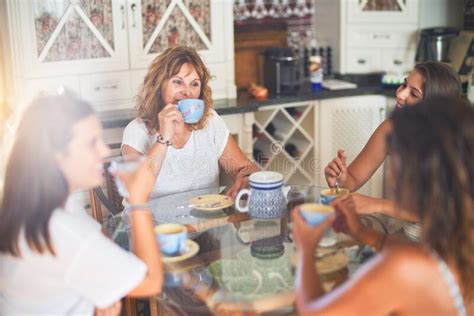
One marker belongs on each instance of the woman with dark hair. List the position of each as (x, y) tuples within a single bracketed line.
[(432, 173), (429, 79), (54, 258), (186, 156)]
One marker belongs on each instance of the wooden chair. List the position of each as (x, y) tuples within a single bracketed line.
[(113, 206)]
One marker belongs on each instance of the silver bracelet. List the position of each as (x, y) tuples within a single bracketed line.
[(135, 207), (163, 141)]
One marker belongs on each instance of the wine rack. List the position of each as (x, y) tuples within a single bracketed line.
[(283, 141)]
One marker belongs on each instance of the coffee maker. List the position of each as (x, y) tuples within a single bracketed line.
[(281, 71), (434, 44)]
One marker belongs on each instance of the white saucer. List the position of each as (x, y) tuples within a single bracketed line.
[(331, 263), (192, 248), (222, 201)]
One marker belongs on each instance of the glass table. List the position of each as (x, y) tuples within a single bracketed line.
[(243, 265)]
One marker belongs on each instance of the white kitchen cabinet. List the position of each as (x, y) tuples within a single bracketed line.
[(101, 49), (316, 129), (347, 123), (368, 35)]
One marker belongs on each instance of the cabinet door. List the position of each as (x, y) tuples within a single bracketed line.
[(398, 11), (347, 123), (155, 25), (58, 37)]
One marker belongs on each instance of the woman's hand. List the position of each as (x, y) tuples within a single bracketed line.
[(363, 204), (336, 170), (139, 183), (169, 118), (347, 220), (112, 310), (239, 183), (307, 237)]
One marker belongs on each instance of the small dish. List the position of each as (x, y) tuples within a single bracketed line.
[(192, 248), (331, 262), (217, 201)]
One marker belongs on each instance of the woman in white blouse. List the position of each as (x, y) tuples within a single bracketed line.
[(185, 156)]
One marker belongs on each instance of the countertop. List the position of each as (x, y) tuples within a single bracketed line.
[(245, 103)]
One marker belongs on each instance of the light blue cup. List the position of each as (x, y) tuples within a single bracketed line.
[(315, 213), (327, 195), (191, 109), (172, 239)]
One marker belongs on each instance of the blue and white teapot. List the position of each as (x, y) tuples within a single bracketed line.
[(267, 197)]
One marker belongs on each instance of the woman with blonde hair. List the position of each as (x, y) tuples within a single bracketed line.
[(186, 156)]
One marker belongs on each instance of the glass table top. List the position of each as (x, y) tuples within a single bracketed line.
[(242, 264)]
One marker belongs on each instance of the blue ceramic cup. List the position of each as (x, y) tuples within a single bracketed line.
[(314, 213), (327, 195), (191, 109), (172, 238)]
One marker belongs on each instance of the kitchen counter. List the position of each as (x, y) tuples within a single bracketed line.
[(245, 103)]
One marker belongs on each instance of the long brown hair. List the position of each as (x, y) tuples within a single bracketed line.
[(433, 169), (439, 80), (34, 185), (164, 67)]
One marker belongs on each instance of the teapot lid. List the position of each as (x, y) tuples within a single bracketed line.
[(266, 178)]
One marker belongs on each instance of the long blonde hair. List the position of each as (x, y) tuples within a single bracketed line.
[(149, 99)]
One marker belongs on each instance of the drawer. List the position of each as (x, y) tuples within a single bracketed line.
[(363, 60), (398, 61), (32, 87), (106, 87), (367, 36)]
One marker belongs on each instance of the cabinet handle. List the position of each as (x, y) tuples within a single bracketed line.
[(122, 10), (382, 113), (381, 36), (133, 7), (361, 61), (397, 62), (106, 87)]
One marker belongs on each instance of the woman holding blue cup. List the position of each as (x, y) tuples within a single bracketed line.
[(182, 137)]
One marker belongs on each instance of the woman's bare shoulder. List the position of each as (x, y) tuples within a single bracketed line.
[(408, 260)]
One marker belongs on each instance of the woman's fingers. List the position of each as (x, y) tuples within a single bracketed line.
[(333, 169)]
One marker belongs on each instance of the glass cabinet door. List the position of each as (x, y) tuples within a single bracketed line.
[(58, 31), (382, 5), (403, 11), (159, 24)]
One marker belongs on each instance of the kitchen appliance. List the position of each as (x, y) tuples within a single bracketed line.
[(281, 71), (434, 44)]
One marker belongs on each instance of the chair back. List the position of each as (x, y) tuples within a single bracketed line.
[(112, 201)]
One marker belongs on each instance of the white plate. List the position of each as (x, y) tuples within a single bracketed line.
[(220, 201)]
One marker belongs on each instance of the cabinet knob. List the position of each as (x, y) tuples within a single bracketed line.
[(361, 61), (397, 62)]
